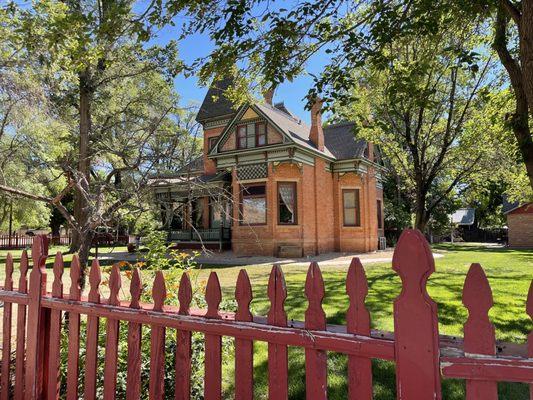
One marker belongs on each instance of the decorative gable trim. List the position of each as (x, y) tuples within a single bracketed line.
[(226, 133), (252, 171), (249, 114), (216, 124)]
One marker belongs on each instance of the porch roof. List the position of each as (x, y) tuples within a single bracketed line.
[(179, 186)]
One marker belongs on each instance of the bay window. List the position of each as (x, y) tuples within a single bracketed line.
[(287, 203)]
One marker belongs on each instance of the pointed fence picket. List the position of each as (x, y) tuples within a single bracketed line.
[(74, 331), (422, 356), (182, 390), (133, 377), (112, 333), (478, 330), (6, 342), (213, 343), (93, 324), (316, 361), (278, 363), (157, 342), (358, 323), (55, 331), (21, 329), (244, 348)]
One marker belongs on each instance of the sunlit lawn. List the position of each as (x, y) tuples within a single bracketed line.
[(509, 273)]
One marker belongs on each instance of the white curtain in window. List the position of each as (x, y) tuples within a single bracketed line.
[(287, 195)]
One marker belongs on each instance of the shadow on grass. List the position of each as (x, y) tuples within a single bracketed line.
[(383, 375)]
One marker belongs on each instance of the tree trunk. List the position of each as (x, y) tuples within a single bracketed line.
[(521, 77), (80, 201), (422, 215), (421, 220), (526, 49), (522, 133), (86, 240)]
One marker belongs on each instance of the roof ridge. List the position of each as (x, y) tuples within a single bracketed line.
[(290, 117), (341, 123)]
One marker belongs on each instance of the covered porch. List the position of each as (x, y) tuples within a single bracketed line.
[(196, 211)]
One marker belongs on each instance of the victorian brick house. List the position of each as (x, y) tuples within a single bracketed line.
[(269, 184)]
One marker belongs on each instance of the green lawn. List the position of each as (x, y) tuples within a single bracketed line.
[(509, 273)]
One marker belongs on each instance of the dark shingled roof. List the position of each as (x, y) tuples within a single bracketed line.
[(281, 106), (195, 165), (464, 216), (509, 206), (340, 140), (215, 104)]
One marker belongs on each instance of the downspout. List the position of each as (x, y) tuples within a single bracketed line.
[(316, 208)]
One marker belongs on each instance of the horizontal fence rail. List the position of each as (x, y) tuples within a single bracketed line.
[(31, 351)]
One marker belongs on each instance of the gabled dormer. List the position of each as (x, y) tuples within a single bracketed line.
[(250, 129), (263, 132)]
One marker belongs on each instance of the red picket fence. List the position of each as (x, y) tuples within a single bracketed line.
[(25, 241), (15, 241), (422, 357)]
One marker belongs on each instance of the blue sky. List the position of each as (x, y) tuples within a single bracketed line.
[(292, 93)]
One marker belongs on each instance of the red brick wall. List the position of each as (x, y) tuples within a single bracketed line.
[(356, 238), (209, 165), (324, 207), (308, 210), (266, 239), (520, 229), (319, 212)]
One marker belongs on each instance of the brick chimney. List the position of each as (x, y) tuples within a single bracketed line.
[(317, 134), (269, 95)]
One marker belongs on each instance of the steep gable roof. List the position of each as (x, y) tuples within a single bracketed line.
[(464, 216), (281, 106), (340, 140), (294, 128), (215, 103)]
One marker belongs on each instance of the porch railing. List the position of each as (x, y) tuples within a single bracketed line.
[(200, 235)]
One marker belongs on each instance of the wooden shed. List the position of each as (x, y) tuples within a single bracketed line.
[(520, 224)]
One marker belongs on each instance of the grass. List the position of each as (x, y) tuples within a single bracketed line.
[(509, 273)]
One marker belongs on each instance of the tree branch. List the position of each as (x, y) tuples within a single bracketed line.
[(53, 201), (512, 10)]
